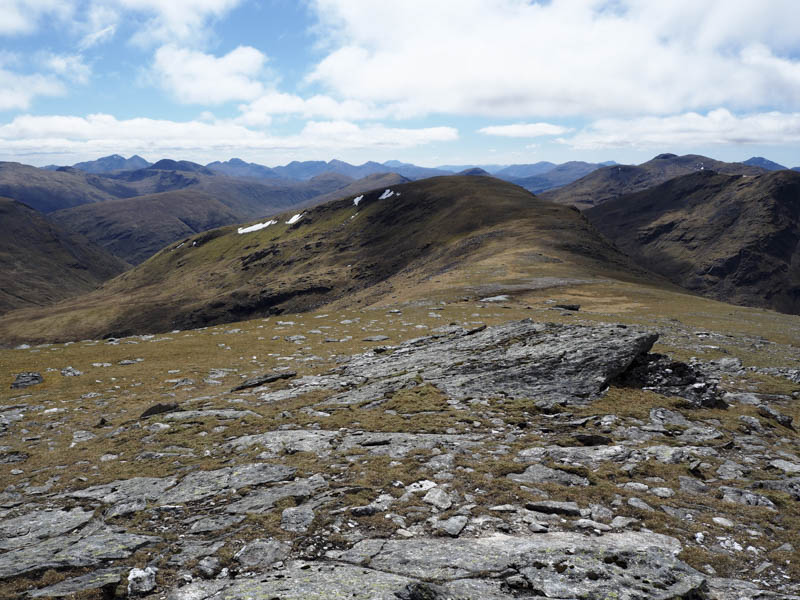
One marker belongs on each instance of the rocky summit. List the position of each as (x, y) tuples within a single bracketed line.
[(432, 451)]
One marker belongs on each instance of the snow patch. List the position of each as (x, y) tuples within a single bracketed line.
[(358, 199), (255, 227), (386, 194), (295, 219)]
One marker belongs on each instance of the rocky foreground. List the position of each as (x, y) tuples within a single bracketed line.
[(521, 460)]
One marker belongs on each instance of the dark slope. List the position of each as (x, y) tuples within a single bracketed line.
[(732, 238), (338, 250), (615, 181), (112, 163), (41, 264), (47, 191), (136, 228)]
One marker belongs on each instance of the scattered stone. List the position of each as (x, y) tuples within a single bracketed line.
[(551, 507), (27, 379), (80, 436), (770, 413), (263, 379), (589, 524), (71, 372), (668, 377), (722, 521), (74, 550), (730, 494), (541, 474), (297, 519), (640, 504), (125, 508), (262, 553), (208, 567), (376, 338), (104, 579), (453, 526), (788, 467), (141, 581), (571, 307), (215, 523), (438, 498), (158, 409)]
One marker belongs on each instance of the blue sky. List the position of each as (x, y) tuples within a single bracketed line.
[(430, 82)]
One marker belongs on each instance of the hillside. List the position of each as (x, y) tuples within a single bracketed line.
[(41, 264), (47, 191), (135, 228), (360, 186), (732, 238), (614, 181), (391, 240)]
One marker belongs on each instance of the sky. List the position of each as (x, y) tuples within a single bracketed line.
[(425, 81)]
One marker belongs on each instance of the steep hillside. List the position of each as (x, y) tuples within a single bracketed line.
[(135, 228), (733, 238), (614, 181), (47, 191), (41, 264), (465, 229)]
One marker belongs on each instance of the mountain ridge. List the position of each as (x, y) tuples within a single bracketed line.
[(733, 238)]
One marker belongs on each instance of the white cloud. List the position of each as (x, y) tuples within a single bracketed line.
[(20, 90), (690, 130), (176, 21), (197, 78), (520, 59), (524, 130), (261, 110), (69, 66), (98, 134), (22, 16)]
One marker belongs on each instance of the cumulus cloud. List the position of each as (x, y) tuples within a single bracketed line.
[(69, 136), (69, 66), (524, 130), (520, 59), (194, 77), (23, 16), (690, 129), (176, 21), (261, 110), (20, 90)]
